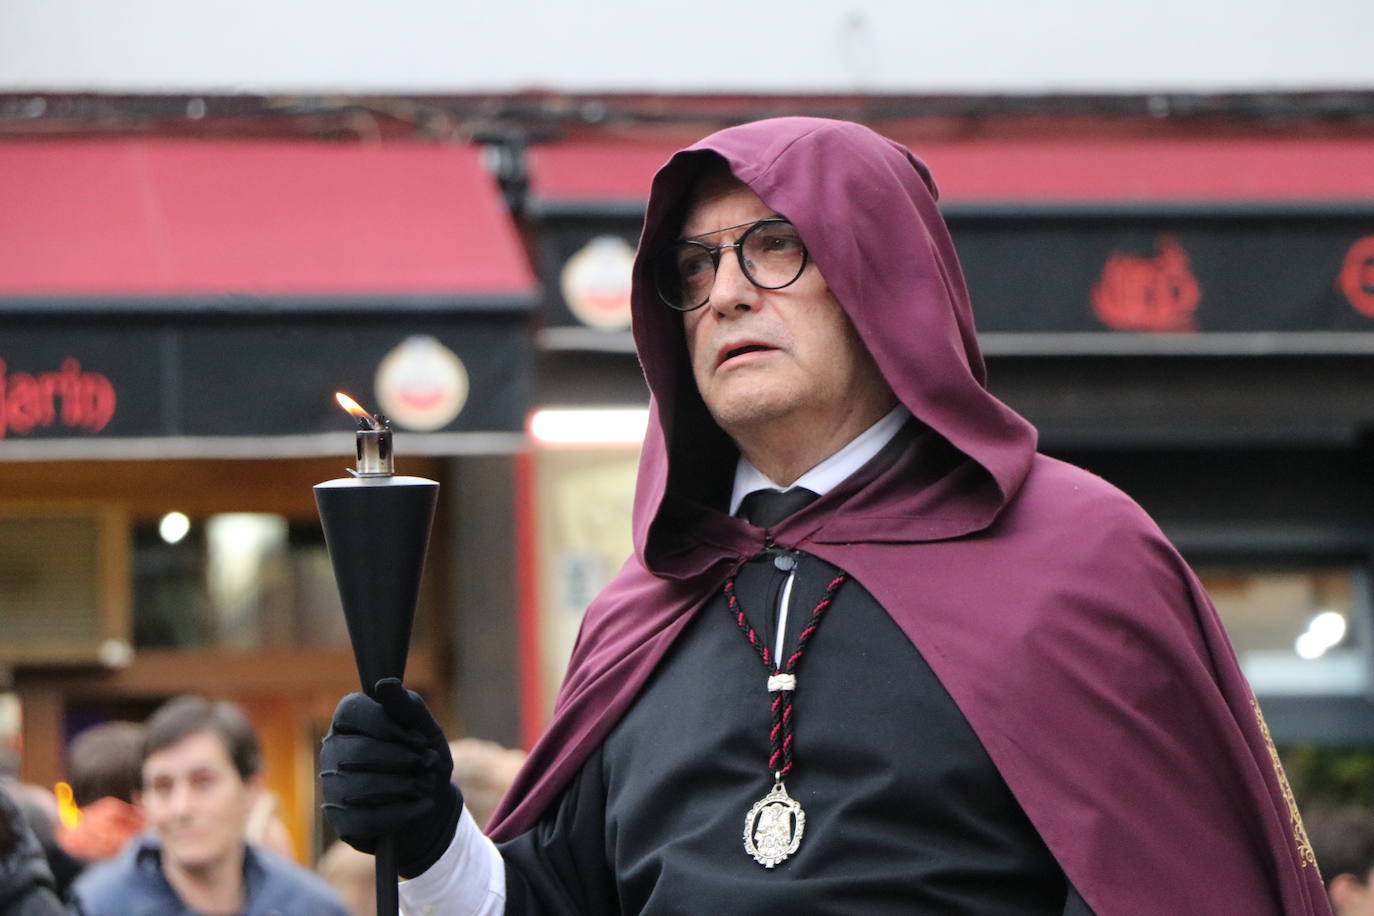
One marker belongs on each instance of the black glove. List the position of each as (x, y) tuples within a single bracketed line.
[(385, 768)]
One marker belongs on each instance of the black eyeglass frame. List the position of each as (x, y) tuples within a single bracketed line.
[(714, 253)]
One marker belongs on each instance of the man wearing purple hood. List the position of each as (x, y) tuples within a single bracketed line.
[(873, 653)]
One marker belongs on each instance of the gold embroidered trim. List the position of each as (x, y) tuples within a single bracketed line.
[(1305, 853)]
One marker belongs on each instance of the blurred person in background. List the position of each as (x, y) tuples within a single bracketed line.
[(104, 772), (977, 680), (265, 827), (353, 875), (39, 808), (1343, 839), (200, 778), (482, 770), (27, 887)]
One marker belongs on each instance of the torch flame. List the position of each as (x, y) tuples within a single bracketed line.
[(354, 408)]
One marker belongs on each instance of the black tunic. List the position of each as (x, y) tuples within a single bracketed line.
[(905, 812)]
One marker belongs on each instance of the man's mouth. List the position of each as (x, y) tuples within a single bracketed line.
[(731, 353)]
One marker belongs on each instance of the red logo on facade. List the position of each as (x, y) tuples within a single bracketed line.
[(30, 400), (1357, 276), (1148, 294)]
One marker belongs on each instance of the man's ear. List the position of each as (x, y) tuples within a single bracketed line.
[(1346, 891)]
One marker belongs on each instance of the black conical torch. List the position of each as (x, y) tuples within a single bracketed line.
[(376, 526)]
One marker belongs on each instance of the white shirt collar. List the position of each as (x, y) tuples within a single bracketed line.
[(825, 476)]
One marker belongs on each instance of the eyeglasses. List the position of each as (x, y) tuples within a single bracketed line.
[(771, 256)]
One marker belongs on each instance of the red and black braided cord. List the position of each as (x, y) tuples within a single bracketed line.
[(780, 734)]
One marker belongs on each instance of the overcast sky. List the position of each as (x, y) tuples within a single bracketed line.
[(459, 46)]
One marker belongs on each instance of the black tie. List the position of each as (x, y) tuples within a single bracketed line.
[(765, 508)]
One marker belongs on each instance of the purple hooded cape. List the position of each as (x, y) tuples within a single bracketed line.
[(1075, 640)]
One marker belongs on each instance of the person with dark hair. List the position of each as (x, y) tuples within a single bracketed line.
[(873, 653), (104, 772), (103, 762), (200, 777), (1343, 839), (27, 887)]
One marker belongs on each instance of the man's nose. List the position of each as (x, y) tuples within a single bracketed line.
[(179, 799), (731, 291)]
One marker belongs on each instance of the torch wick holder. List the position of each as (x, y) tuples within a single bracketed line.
[(375, 455)]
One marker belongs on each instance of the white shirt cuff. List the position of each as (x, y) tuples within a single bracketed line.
[(469, 879)]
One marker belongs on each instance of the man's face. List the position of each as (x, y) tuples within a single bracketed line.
[(805, 367), (196, 801)]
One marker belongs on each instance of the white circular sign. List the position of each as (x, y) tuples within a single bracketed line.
[(421, 385), (596, 283)]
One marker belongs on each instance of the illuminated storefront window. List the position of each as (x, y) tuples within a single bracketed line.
[(1297, 631), (584, 478), (238, 581)]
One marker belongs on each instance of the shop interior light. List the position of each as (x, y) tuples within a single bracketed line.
[(173, 527), (607, 426), (1329, 625), (1309, 646), (1323, 631)]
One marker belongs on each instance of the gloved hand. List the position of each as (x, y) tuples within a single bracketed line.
[(385, 768)]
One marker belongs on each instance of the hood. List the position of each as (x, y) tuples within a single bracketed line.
[(866, 208)]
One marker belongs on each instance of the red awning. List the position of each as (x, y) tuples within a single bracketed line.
[(175, 218), (1139, 171), (595, 170), (1036, 170)]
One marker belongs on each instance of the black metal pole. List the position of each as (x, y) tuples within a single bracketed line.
[(388, 895)]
